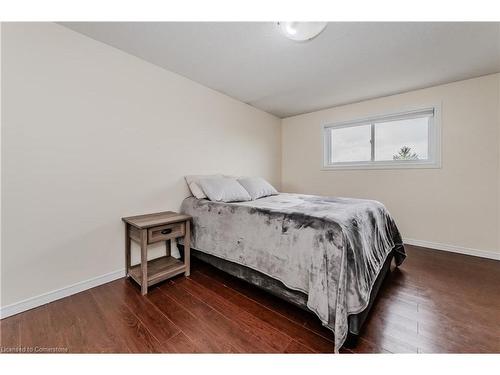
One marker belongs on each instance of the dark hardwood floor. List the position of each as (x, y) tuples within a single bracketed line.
[(437, 302)]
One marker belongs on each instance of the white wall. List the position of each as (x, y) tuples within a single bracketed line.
[(91, 134), (457, 205)]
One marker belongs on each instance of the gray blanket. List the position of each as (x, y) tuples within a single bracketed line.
[(332, 249)]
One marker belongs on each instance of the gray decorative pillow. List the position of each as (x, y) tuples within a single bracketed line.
[(193, 184), (257, 187), (223, 189)]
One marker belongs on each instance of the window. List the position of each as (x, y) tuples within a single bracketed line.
[(403, 140)]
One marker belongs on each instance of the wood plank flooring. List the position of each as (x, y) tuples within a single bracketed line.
[(437, 302)]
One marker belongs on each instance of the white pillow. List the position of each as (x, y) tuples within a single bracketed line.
[(193, 184), (257, 187), (223, 189)]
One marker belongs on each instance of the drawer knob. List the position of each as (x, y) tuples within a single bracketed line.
[(166, 231)]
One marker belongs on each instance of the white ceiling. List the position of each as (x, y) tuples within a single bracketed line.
[(348, 62)]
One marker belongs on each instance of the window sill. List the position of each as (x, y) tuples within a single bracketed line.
[(381, 165)]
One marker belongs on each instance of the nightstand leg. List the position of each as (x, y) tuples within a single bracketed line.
[(187, 248), (127, 249), (168, 247), (144, 262)]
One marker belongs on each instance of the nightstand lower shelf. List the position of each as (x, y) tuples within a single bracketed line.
[(159, 269)]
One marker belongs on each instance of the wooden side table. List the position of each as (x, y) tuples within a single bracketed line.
[(147, 229)]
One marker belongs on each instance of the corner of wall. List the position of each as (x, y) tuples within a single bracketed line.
[(498, 165), (281, 154)]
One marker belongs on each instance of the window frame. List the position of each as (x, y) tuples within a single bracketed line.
[(434, 141)]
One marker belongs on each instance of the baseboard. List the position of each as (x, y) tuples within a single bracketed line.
[(454, 249), (54, 295)]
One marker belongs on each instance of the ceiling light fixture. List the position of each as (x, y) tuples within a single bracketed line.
[(301, 31)]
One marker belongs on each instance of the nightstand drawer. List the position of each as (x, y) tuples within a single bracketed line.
[(165, 232)]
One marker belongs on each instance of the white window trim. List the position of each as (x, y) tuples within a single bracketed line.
[(434, 160)]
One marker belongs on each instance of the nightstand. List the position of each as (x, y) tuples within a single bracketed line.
[(148, 229)]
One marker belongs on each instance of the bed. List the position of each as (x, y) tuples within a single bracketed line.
[(328, 255)]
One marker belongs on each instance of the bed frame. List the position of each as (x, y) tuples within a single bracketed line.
[(278, 289)]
